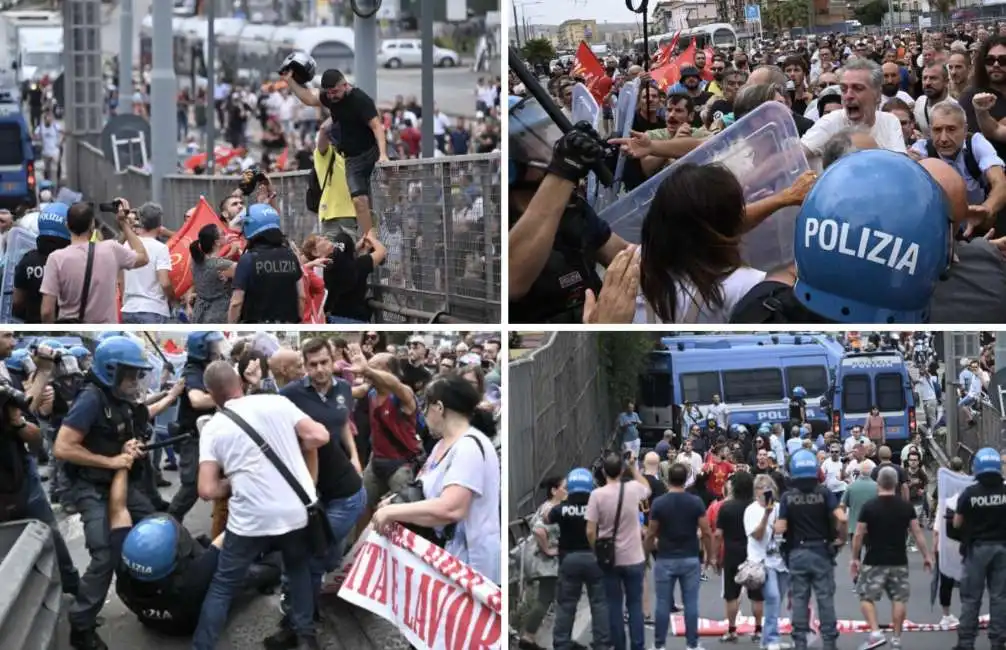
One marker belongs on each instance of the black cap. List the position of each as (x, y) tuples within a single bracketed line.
[(331, 78)]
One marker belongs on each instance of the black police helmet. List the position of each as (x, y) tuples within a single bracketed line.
[(301, 65)]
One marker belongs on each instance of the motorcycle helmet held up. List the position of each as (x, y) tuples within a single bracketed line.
[(301, 66)]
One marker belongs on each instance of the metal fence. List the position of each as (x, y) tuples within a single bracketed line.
[(985, 430), (439, 218), (31, 602), (560, 414)]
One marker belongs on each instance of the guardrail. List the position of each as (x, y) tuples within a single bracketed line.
[(30, 587), (438, 217)]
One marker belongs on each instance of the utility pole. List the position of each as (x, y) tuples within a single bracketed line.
[(950, 394)]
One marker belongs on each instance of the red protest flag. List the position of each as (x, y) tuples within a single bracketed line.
[(178, 245), (666, 53), (590, 68), (688, 56), (707, 73)]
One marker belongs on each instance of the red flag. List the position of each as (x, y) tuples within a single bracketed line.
[(670, 73), (707, 73), (666, 53), (178, 245), (589, 67), (688, 56)]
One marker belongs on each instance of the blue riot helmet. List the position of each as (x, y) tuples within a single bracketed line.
[(150, 551), (765, 429), (532, 136), (800, 392), (108, 335), (845, 229), (258, 219), (987, 461), (803, 464), (204, 346), (579, 481), (52, 221), (120, 365), (82, 355), (20, 361)]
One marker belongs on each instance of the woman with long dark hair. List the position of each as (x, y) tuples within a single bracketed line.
[(346, 278), (544, 564), (211, 277)]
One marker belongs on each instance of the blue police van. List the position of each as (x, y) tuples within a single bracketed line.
[(754, 375), (881, 379), (17, 156)]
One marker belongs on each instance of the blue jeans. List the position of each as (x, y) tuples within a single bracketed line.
[(161, 433), (342, 516), (38, 508), (776, 588), (667, 571), (236, 558), (625, 584), (143, 318)]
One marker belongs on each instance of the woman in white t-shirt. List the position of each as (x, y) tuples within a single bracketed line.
[(763, 546), (461, 481)]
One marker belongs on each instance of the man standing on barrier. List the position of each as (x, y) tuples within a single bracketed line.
[(980, 525), (90, 440), (202, 349), (810, 522)]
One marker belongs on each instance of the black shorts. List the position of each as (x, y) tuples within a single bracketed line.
[(358, 172), (730, 589)]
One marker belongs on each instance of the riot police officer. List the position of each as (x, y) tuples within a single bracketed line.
[(577, 565), (556, 240), (810, 523), (53, 235), (100, 421), (83, 357), (981, 522), (267, 286), (19, 367), (202, 349)]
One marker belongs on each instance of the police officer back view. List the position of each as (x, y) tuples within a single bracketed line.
[(577, 565), (52, 236), (202, 349), (99, 423), (810, 522), (556, 240), (981, 521), (267, 286)]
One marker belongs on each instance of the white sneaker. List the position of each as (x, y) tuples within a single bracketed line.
[(895, 641), (698, 647), (875, 640), (949, 621)]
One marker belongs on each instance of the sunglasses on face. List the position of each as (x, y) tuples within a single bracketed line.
[(996, 60)]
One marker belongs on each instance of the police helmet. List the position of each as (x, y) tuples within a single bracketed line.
[(799, 392), (579, 481), (765, 429), (260, 217), (80, 352), (803, 464), (805, 430), (18, 360), (987, 461), (52, 221), (150, 551), (735, 429), (844, 229), (114, 358), (199, 345), (301, 66), (532, 135), (108, 335)]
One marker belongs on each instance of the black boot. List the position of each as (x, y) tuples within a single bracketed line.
[(86, 640), (282, 639), (308, 643)]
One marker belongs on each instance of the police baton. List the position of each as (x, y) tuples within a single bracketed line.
[(167, 364), (167, 442), (533, 86)]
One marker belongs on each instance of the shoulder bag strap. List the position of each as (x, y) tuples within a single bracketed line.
[(85, 294), (618, 511), (331, 165), (272, 456)]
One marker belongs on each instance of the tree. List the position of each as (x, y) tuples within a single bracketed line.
[(871, 13), (944, 7), (538, 51), (785, 14)]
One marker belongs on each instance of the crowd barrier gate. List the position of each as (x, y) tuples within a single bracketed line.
[(438, 217), (31, 599)]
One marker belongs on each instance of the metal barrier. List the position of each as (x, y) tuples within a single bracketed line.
[(984, 431), (30, 589), (439, 218), (560, 413)]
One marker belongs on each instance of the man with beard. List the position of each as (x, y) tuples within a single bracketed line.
[(989, 78), (765, 464), (959, 69), (731, 81), (891, 88), (935, 89), (414, 373), (286, 366)]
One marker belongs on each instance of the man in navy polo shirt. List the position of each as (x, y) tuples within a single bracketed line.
[(328, 399)]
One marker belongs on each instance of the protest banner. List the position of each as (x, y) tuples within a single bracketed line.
[(949, 485)]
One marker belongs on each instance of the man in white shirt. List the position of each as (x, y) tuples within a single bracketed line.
[(936, 89), (861, 82), (835, 478), (147, 290), (264, 511), (926, 388), (719, 411), (855, 438), (51, 135), (693, 460)]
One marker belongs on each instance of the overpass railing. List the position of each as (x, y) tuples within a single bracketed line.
[(31, 600)]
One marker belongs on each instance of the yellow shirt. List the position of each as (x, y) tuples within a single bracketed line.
[(336, 203), (714, 88)]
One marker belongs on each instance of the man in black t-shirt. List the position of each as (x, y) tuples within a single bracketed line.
[(732, 537), (363, 142), (884, 460), (414, 373)]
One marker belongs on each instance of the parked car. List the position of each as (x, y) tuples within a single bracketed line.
[(408, 52)]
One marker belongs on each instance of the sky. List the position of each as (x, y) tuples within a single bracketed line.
[(553, 12)]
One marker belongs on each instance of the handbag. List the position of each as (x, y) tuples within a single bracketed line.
[(85, 294), (750, 575), (604, 547), (319, 530)]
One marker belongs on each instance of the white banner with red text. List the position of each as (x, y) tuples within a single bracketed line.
[(437, 601)]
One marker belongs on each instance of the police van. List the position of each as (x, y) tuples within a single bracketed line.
[(754, 375), (881, 379), (17, 156)]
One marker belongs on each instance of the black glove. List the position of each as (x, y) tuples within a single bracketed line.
[(576, 152)]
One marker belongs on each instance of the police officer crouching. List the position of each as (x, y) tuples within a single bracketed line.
[(980, 526), (202, 349), (810, 523), (556, 240), (267, 286), (100, 421), (577, 565), (162, 573)]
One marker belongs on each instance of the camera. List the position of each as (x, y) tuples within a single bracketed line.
[(251, 179), (11, 395), (110, 208)]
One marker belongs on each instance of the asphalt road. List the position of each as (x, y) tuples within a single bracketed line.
[(343, 627), (846, 607)]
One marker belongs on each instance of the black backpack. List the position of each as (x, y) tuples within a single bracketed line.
[(970, 162), (315, 191)]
